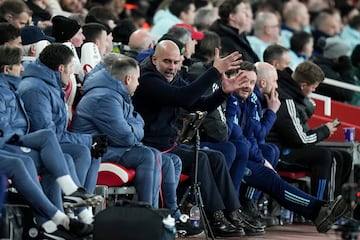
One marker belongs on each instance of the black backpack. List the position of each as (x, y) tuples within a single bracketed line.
[(132, 221)]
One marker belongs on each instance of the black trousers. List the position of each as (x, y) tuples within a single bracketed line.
[(343, 168), (315, 159), (217, 189)]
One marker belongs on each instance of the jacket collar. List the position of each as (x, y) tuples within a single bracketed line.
[(9, 81)]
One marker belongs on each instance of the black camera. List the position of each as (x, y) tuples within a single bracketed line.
[(191, 124)]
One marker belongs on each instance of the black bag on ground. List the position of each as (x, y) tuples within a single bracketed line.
[(130, 220), (17, 222)]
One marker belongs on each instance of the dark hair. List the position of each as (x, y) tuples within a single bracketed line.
[(176, 6), (123, 30), (9, 55), (355, 56), (354, 22), (201, 3), (248, 66), (56, 54), (227, 7), (308, 72), (8, 32), (206, 46), (14, 7), (273, 52), (299, 40), (245, 65), (92, 31), (100, 14), (345, 9)]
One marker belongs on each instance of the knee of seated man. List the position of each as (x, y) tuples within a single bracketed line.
[(215, 158), (146, 156)]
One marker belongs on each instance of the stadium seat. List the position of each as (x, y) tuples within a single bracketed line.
[(114, 182)]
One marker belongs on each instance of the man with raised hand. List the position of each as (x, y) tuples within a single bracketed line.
[(161, 83)]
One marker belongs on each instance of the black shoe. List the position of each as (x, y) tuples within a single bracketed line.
[(329, 213), (60, 234), (80, 198), (221, 227), (185, 229), (80, 229), (250, 208), (251, 227), (241, 216)]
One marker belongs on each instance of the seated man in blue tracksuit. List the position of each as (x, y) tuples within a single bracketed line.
[(261, 174), (262, 119), (21, 170), (106, 108), (44, 102), (41, 148)]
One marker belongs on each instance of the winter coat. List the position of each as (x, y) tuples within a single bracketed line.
[(240, 116), (44, 101), (106, 108), (291, 128), (13, 118), (158, 102), (232, 41)]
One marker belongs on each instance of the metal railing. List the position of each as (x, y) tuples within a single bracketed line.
[(327, 100)]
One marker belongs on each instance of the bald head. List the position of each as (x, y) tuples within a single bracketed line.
[(141, 40), (166, 46), (167, 59), (266, 77)]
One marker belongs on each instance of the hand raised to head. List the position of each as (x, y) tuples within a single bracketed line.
[(229, 62), (232, 83), (272, 100)]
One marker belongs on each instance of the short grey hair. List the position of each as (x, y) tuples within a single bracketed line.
[(119, 65)]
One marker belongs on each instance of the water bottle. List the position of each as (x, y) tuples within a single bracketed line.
[(195, 216), (286, 216)]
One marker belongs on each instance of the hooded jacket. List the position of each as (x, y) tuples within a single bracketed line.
[(291, 128), (106, 108), (13, 117), (232, 41), (158, 101), (44, 101)]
